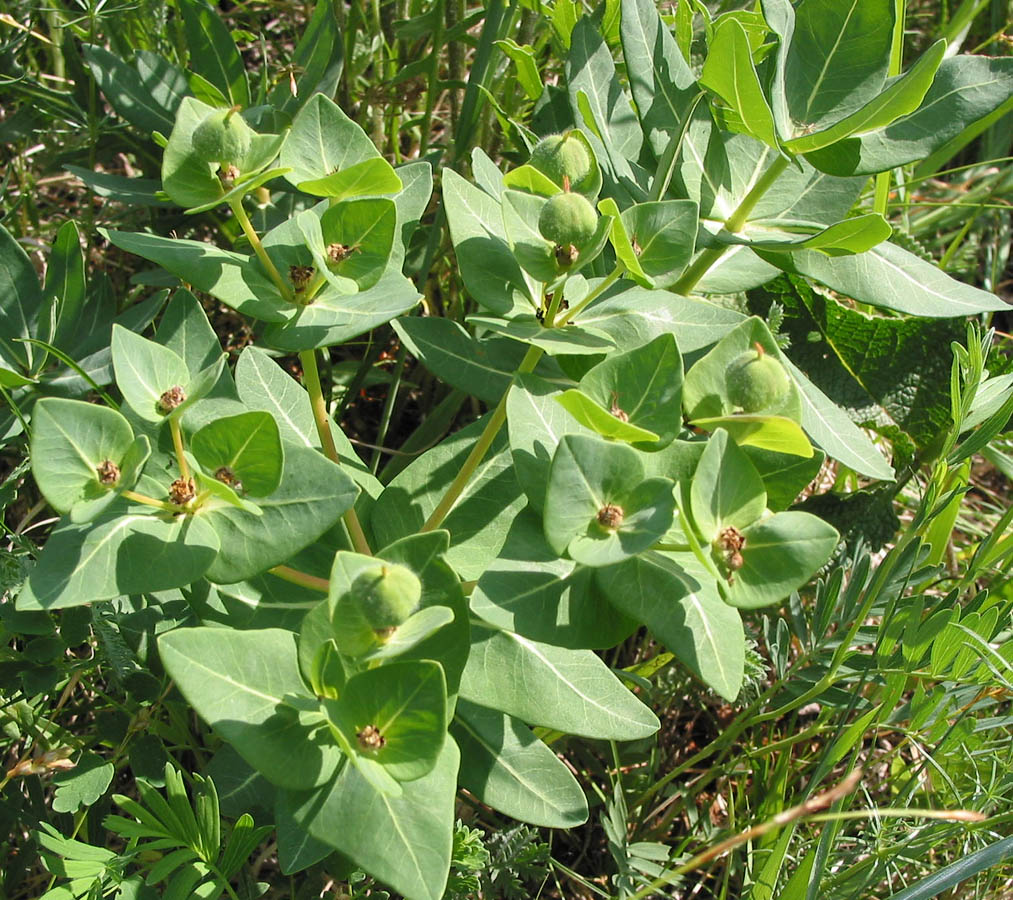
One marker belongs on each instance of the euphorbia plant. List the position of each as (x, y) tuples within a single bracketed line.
[(368, 647)]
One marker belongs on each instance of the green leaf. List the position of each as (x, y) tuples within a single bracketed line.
[(334, 318), (891, 277), (837, 60), (248, 445), (591, 73), (950, 876), (416, 629), (686, 614), (479, 520), (369, 177), (364, 226), (312, 495), (727, 491), (83, 785), (521, 212), (487, 265), (263, 384), (854, 235), (529, 180), (70, 442), (236, 280), (528, 589), (20, 300), (633, 315), (729, 72), (406, 703), (506, 767), (523, 57), (903, 95), (479, 367), (592, 415), (662, 83), (133, 94), (572, 340), (238, 682), (213, 53), (535, 423), (784, 476), (65, 283), (777, 433), (145, 371), (184, 328), (830, 429), (779, 554), (119, 554), (645, 383), (323, 140), (966, 91), (622, 243), (589, 479), (404, 841), (663, 236), (571, 691)]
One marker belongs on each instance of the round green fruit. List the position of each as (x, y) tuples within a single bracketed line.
[(756, 381), (564, 156), (222, 137), (567, 219), (387, 595)]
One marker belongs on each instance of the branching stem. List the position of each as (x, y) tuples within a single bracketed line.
[(258, 248), (177, 443), (303, 579), (311, 375), (733, 223)]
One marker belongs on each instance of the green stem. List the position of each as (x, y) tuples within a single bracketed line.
[(258, 248), (733, 223), (896, 62), (303, 579), (481, 447), (150, 501), (388, 407), (177, 443), (311, 375), (603, 286)]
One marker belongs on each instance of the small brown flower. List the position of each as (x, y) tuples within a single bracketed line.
[(226, 476), (300, 277), (108, 472), (610, 516), (566, 255), (371, 739), (619, 413), (637, 249), (182, 491), (228, 175), (338, 253), (172, 398)]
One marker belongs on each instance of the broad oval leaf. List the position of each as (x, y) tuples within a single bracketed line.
[(569, 690), (506, 767), (238, 682)]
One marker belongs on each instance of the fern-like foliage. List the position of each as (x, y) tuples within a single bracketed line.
[(171, 840)]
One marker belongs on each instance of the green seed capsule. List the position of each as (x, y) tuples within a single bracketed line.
[(222, 137), (564, 158), (387, 595), (568, 219), (756, 381)]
